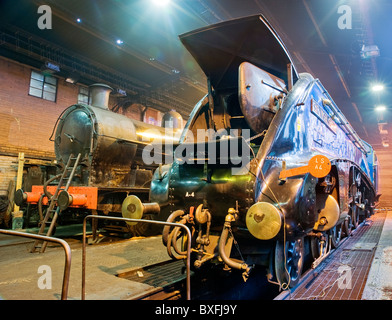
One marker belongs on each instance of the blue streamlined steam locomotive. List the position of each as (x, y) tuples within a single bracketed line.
[(277, 129)]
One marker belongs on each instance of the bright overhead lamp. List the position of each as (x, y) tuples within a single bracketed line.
[(377, 87), (381, 108), (121, 92), (161, 3), (369, 52), (72, 77), (50, 67)]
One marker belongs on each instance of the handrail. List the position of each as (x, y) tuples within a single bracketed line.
[(188, 263), (67, 250)]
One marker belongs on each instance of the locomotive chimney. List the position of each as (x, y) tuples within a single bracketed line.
[(99, 94)]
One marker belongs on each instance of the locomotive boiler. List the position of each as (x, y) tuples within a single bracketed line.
[(266, 161), (108, 146)]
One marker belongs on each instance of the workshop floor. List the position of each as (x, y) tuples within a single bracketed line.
[(22, 279)]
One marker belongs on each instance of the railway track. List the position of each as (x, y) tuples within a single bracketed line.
[(311, 272), (354, 252)]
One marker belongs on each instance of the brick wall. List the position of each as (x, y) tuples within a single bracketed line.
[(133, 112), (153, 117), (26, 121)]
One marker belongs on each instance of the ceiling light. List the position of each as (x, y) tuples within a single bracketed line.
[(50, 67), (377, 87), (381, 108), (72, 77), (161, 2), (385, 142), (121, 92), (381, 129), (370, 52)]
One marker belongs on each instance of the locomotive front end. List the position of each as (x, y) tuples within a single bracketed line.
[(209, 189), (213, 184), (104, 139), (262, 170)]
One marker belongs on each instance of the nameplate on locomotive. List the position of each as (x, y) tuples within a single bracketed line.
[(322, 114)]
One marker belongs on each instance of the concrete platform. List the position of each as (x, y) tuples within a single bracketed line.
[(21, 278), (379, 282)]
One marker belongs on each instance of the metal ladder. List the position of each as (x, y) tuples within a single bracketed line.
[(54, 209)]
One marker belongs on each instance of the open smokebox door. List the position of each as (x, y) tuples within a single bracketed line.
[(246, 59), (220, 49)]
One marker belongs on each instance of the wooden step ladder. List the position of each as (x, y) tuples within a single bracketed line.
[(54, 209)]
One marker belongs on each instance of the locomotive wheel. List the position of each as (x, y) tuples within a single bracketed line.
[(347, 225), (319, 247), (363, 214), (355, 216), (369, 213), (336, 235), (289, 258)]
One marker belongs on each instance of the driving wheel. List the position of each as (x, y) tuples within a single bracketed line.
[(289, 258)]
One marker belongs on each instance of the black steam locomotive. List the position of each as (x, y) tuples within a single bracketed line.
[(266, 160), (100, 153)]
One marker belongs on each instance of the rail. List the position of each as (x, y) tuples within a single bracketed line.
[(67, 250), (188, 260)]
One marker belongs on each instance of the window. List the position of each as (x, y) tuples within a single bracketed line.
[(83, 95), (43, 86)]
